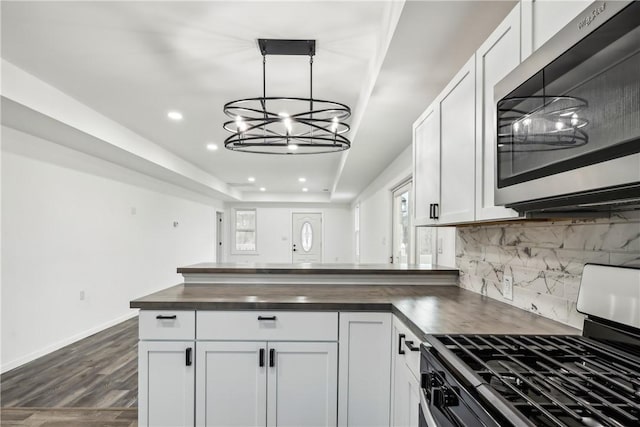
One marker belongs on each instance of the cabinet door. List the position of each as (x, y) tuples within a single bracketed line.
[(457, 147), (399, 373), (498, 55), (426, 164), (365, 369), (302, 384), (231, 384), (165, 383)]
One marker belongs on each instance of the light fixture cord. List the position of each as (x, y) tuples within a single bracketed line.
[(311, 89), (264, 96)]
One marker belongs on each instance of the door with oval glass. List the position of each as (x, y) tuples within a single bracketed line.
[(307, 237)]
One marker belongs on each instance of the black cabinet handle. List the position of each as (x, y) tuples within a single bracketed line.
[(162, 317), (188, 357), (436, 211), (400, 338), (261, 358), (266, 317), (431, 211), (272, 357), (410, 346)]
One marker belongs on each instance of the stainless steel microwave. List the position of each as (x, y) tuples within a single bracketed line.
[(568, 117)]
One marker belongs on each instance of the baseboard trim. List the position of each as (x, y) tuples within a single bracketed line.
[(16, 363)]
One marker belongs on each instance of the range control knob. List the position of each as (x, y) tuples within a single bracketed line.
[(443, 397)]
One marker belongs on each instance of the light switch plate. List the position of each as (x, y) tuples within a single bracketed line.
[(507, 287)]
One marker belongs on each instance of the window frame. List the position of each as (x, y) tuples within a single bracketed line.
[(234, 247)]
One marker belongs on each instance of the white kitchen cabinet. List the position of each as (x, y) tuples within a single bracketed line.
[(302, 384), (166, 383), (266, 384), (406, 370), (231, 384), (364, 370), (497, 56), (426, 163), (457, 148), (444, 154)]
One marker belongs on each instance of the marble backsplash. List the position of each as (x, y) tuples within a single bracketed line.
[(545, 259)]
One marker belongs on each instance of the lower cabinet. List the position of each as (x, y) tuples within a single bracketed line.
[(272, 369), (406, 368), (365, 369), (266, 384), (166, 375)]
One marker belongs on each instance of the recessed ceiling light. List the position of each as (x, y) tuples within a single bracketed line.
[(305, 189), (263, 189), (212, 147), (174, 115), (302, 179), (251, 179)]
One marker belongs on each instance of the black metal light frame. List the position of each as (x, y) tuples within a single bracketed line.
[(310, 126)]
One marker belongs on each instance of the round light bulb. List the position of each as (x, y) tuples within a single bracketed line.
[(174, 115), (292, 147)]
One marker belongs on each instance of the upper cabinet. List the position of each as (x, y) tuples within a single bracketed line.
[(426, 164), (454, 139), (498, 55), (443, 146), (457, 146)]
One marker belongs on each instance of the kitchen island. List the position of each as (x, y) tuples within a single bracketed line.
[(303, 345)]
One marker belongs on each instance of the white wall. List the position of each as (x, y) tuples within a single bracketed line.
[(274, 232), (375, 210), (68, 224)]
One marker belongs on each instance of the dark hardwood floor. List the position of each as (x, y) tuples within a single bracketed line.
[(91, 382)]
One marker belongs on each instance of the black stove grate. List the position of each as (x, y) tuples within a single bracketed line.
[(556, 380)]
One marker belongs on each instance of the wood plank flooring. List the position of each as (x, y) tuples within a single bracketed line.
[(93, 382)]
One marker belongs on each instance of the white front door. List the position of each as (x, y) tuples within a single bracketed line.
[(306, 238)]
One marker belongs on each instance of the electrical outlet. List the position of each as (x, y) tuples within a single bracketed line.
[(82, 295), (507, 287)]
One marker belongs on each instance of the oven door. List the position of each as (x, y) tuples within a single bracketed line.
[(447, 401)]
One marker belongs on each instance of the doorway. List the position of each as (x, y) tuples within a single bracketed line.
[(401, 224), (306, 238), (219, 236)]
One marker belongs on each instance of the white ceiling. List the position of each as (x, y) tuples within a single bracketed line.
[(134, 61)]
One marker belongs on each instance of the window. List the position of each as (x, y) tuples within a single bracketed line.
[(245, 230)]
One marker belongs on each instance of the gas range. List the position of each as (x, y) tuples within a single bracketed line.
[(544, 380)]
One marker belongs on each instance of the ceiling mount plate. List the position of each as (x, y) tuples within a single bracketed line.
[(287, 47)]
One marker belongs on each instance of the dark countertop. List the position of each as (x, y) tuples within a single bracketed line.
[(425, 309), (241, 268)]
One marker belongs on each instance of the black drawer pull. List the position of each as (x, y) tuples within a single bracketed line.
[(272, 357), (410, 346), (400, 338), (261, 358), (188, 358), (266, 317), (162, 317)]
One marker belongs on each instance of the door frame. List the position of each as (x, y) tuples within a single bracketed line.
[(400, 184), (219, 242), (306, 211)]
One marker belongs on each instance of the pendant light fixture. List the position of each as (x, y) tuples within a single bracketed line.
[(285, 125)]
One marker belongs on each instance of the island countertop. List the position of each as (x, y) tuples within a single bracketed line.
[(424, 309), (246, 268)]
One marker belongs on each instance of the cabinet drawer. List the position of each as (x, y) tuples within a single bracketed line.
[(267, 325), (167, 325)]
